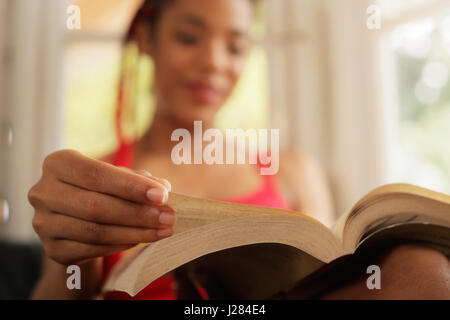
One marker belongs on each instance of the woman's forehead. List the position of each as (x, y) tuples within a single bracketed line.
[(230, 14)]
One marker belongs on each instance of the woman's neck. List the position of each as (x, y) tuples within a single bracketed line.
[(157, 139)]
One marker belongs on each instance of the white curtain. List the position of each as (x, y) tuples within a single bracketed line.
[(3, 125), (31, 102), (326, 90)]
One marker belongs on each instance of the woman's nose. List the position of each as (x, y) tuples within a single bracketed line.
[(214, 57)]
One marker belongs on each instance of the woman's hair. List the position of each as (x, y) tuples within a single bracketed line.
[(148, 13), (125, 116)]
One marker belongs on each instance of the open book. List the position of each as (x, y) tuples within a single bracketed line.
[(259, 251)]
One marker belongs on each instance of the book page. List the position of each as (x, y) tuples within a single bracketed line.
[(206, 226), (393, 205)]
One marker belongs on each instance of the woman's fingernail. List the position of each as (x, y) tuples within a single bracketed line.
[(167, 218), (167, 184), (162, 233), (146, 173), (158, 195)]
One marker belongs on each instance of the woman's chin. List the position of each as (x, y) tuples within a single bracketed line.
[(206, 115)]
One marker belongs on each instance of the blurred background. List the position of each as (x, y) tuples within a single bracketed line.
[(373, 105)]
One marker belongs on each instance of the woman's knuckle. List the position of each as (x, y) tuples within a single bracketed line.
[(33, 196), (92, 177), (95, 232), (37, 223), (93, 205), (52, 160), (39, 195), (48, 162)]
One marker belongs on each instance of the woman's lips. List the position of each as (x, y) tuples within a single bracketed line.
[(204, 93)]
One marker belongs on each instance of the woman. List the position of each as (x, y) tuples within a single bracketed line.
[(88, 211)]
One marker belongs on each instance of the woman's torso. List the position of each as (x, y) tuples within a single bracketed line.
[(238, 183)]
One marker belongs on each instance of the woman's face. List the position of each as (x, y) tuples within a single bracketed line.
[(199, 51)]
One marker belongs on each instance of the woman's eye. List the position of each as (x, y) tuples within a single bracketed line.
[(187, 39), (237, 49)]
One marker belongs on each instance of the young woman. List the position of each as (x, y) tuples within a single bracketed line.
[(88, 211)]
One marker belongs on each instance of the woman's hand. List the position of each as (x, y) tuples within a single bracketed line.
[(85, 208)]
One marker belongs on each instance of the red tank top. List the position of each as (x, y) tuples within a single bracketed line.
[(267, 195)]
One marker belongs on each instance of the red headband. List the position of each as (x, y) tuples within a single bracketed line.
[(146, 11)]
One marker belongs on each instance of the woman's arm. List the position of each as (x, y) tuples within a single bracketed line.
[(53, 282), (304, 182)]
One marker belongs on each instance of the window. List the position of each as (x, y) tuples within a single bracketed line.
[(419, 53)]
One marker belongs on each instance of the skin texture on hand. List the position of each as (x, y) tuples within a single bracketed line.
[(86, 209)]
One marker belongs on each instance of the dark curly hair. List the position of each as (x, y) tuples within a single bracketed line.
[(149, 13)]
